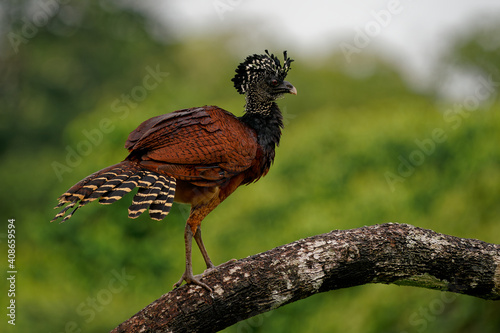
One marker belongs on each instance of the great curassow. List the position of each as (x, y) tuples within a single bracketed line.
[(197, 156)]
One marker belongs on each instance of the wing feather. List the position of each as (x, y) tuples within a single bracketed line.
[(202, 145)]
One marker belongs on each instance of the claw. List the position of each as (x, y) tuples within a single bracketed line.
[(191, 279)]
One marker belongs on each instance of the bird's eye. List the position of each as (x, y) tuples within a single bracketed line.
[(274, 82)]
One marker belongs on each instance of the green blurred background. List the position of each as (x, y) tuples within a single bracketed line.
[(361, 146)]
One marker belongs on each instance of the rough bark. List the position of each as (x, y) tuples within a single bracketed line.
[(389, 253)]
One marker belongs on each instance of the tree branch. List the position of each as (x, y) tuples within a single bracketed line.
[(389, 253)]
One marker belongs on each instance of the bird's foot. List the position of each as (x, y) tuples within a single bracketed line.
[(195, 279), (191, 279)]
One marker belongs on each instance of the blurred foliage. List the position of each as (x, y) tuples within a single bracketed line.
[(62, 99), (479, 49)]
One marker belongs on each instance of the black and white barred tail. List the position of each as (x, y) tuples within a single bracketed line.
[(156, 191)]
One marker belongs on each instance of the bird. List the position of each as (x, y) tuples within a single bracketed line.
[(197, 156)]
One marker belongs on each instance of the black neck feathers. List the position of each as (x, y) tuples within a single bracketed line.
[(267, 121)]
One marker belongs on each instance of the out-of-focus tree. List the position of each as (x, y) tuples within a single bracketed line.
[(476, 52), (480, 49), (57, 60)]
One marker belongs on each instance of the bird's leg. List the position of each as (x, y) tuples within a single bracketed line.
[(188, 273), (201, 246)]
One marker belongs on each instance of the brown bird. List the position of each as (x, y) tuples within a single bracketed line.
[(197, 156)]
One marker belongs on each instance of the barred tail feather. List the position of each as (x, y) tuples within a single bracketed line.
[(119, 191), (145, 196), (161, 206), (156, 191)]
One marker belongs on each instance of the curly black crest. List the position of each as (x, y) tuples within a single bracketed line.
[(258, 67)]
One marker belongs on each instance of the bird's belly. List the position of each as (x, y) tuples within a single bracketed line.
[(188, 193)]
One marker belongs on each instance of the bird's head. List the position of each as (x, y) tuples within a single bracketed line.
[(264, 76)]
